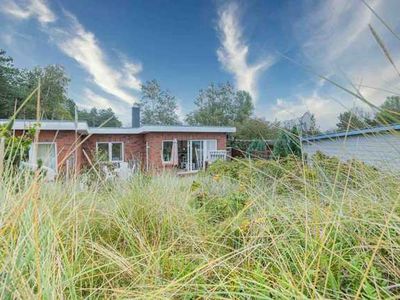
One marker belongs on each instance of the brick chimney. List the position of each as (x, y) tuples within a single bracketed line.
[(135, 116)]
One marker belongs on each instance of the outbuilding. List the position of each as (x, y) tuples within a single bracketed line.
[(376, 146)]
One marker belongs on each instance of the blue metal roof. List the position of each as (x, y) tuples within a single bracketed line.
[(350, 133)]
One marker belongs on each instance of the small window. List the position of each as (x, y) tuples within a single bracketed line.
[(116, 152), (110, 151), (167, 151), (102, 150), (45, 156)]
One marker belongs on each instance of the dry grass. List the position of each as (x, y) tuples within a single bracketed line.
[(159, 237)]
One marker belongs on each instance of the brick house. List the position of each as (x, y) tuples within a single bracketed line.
[(65, 145)]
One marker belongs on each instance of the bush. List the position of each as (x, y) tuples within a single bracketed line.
[(286, 174), (288, 143), (16, 147)]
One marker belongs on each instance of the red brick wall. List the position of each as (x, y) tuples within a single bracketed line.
[(134, 145), (154, 141), (65, 141)]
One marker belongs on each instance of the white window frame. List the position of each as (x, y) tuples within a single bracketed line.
[(32, 154), (206, 150), (110, 150), (162, 151)]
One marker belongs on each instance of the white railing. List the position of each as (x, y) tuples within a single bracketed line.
[(217, 154)]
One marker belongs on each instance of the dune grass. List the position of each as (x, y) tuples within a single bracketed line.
[(279, 230)]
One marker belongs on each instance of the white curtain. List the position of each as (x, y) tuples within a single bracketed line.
[(46, 153), (210, 145), (174, 158)]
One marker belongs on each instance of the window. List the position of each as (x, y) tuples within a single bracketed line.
[(210, 145), (102, 150), (45, 156), (167, 151), (110, 151), (116, 152)]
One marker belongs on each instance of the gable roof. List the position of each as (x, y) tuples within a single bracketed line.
[(85, 129), (333, 135)]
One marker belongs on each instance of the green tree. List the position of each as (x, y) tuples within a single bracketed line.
[(10, 90), (54, 86), (16, 85), (390, 112), (158, 107), (355, 119), (287, 143), (313, 128), (96, 117), (221, 105), (257, 128)]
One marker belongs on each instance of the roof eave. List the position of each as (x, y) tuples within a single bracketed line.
[(351, 133)]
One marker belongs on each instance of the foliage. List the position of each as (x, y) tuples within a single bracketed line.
[(158, 107), (281, 229), (313, 128), (255, 147), (355, 119), (53, 97), (10, 85), (286, 173), (256, 128), (17, 84), (16, 147), (287, 143), (218, 208), (390, 112), (221, 105), (96, 117)]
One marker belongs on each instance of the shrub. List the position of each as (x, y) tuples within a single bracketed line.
[(16, 146), (287, 143)]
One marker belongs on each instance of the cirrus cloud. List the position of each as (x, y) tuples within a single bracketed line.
[(74, 40), (233, 52), (334, 39)]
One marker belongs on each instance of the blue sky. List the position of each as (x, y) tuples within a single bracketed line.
[(110, 47)]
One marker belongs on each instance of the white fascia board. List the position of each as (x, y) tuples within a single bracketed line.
[(147, 129), (83, 127), (113, 130), (188, 129), (48, 125)]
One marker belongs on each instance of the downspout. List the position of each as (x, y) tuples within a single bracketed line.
[(147, 156)]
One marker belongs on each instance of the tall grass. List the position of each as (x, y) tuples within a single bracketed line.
[(245, 230), (297, 232)]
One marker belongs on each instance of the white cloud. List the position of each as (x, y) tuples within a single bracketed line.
[(28, 9), (233, 52), (334, 38), (82, 46), (325, 110), (92, 99), (70, 36), (180, 112), (130, 72)]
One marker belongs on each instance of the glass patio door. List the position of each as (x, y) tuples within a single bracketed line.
[(195, 155)]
